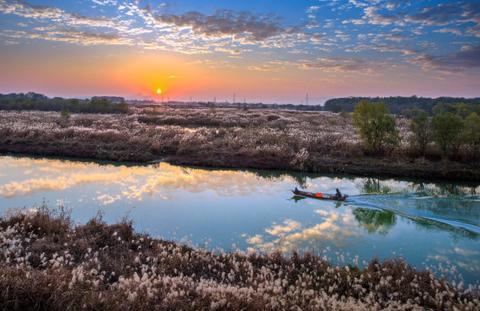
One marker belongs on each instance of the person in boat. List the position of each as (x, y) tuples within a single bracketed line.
[(338, 194)]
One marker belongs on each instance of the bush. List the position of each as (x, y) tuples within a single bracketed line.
[(471, 134), (421, 132), (376, 127), (39, 102), (64, 117), (447, 130)]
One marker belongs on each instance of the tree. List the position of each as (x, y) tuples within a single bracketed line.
[(376, 126), (420, 127), (64, 117), (447, 130), (443, 107), (463, 110), (471, 133)]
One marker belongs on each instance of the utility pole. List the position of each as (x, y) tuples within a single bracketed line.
[(234, 98), (306, 99)]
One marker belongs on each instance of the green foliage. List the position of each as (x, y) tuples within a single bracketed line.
[(443, 107), (421, 132), (376, 127), (447, 131), (403, 105), (65, 114), (32, 101), (471, 133), (463, 110), (374, 220)]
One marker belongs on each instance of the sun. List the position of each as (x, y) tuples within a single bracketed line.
[(159, 91)]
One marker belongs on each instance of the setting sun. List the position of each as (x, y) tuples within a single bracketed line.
[(159, 91)]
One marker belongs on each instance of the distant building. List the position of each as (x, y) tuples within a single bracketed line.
[(112, 99)]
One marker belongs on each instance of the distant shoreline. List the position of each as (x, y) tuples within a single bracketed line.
[(274, 140)]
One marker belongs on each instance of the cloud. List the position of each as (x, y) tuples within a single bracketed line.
[(70, 36), (256, 239), (373, 17), (468, 57), (334, 228), (190, 33), (227, 23), (339, 64), (313, 9), (82, 37), (105, 2), (271, 66), (106, 199), (446, 13), (288, 226), (437, 15), (474, 31), (454, 31), (26, 10), (241, 34), (135, 182)]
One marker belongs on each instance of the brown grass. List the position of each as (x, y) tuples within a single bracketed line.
[(46, 264), (279, 139)]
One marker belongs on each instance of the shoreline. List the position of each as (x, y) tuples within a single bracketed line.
[(320, 143), (364, 167), (361, 167)]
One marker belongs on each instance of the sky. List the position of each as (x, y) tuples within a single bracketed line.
[(261, 51)]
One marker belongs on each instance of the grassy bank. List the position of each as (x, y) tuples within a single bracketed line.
[(321, 142), (47, 264)]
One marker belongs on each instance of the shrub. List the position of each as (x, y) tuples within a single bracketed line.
[(471, 134), (39, 102), (421, 132), (376, 127), (64, 117), (447, 130)]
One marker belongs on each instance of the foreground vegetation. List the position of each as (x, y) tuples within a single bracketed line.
[(322, 142), (46, 264)]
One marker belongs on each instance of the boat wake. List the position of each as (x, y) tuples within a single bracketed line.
[(460, 214)]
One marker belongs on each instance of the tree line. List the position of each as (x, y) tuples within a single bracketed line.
[(453, 133), (33, 101), (404, 105)]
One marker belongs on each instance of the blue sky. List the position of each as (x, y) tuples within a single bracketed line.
[(327, 48)]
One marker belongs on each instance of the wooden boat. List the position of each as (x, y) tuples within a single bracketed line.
[(319, 195)]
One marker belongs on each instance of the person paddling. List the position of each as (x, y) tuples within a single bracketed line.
[(338, 195)]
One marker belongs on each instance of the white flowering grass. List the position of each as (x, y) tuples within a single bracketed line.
[(46, 264), (268, 139)]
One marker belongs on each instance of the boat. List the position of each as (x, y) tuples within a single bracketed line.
[(320, 195)]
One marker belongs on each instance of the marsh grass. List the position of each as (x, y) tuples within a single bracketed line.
[(322, 142), (48, 264)]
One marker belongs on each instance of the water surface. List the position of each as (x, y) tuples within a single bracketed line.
[(431, 225)]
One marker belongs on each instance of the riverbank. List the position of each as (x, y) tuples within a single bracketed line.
[(47, 264), (319, 142)]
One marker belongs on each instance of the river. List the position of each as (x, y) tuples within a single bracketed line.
[(431, 225)]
